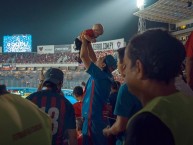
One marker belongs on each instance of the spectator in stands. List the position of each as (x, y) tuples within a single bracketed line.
[(189, 60), (90, 35), (25, 58), (110, 109), (22, 122), (83, 85), (153, 59), (112, 100), (126, 105), (78, 94), (41, 79), (57, 106), (181, 85), (96, 94)]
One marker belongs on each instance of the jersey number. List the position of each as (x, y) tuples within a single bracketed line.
[(53, 112)]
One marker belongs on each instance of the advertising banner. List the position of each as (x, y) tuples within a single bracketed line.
[(30, 68), (6, 67), (109, 45), (105, 45), (21, 68), (62, 48), (45, 49), (39, 68)]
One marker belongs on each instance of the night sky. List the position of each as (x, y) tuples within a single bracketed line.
[(56, 22)]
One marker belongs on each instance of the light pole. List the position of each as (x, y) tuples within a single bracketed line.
[(141, 22)]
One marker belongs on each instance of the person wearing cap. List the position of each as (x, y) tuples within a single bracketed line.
[(126, 105), (57, 106), (98, 89), (22, 122)]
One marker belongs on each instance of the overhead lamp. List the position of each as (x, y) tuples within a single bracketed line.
[(140, 3)]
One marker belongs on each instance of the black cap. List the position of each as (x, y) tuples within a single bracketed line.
[(53, 75), (110, 61)]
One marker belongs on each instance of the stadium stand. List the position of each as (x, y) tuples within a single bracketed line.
[(29, 76)]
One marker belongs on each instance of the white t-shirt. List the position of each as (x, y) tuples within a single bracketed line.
[(182, 86)]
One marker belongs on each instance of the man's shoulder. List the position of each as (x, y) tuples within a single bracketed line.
[(95, 70), (43, 93), (35, 94)]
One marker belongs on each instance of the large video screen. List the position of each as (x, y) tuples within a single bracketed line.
[(17, 43)]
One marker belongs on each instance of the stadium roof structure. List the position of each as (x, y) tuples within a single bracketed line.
[(167, 11)]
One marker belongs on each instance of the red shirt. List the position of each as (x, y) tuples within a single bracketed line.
[(79, 138), (78, 109), (89, 32), (189, 46)]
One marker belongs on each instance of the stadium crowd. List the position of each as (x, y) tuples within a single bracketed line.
[(31, 78), (146, 108), (34, 58)]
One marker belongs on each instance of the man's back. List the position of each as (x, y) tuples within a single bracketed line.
[(22, 122), (59, 109)]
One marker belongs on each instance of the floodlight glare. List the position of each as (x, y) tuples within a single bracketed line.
[(140, 3)]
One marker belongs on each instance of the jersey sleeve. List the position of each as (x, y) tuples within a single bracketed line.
[(96, 72), (125, 105), (70, 115)]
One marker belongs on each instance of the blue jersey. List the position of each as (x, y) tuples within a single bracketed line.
[(59, 109), (126, 106), (96, 95), (97, 91)]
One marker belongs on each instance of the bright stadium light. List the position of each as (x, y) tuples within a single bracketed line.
[(141, 22), (140, 3)]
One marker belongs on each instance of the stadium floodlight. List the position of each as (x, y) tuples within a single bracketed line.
[(141, 22), (140, 3)]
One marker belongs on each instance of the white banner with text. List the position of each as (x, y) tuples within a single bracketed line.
[(106, 45), (45, 49)]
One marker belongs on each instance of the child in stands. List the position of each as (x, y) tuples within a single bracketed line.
[(90, 35), (78, 94)]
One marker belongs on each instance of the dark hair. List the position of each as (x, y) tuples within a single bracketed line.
[(121, 52), (78, 91), (111, 63), (160, 53), (106, 69), (51, 85), (83, 84)]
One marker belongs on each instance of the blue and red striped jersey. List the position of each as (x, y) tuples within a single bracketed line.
[(59, 109)]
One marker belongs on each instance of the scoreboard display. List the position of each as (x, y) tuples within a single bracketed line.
[(17, 43)]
